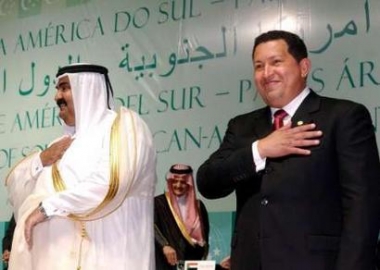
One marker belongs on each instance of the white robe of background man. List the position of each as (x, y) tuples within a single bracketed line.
[(120, 235)]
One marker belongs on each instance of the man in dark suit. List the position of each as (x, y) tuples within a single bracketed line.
[(308, 193)]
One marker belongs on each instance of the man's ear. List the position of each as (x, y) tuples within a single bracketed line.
[(305, 65)]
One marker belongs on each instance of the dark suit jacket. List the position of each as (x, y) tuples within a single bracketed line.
[(317, 212), (167, 232), (8, 237), (378, 255)]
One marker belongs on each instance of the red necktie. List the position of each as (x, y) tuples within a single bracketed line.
[(279, 118)]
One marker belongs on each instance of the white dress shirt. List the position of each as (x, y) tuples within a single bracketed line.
[(290, 109)]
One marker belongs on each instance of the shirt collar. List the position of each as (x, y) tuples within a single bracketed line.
[(292, 106)]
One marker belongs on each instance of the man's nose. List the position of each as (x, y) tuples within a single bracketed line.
[(268, 71), (57, 95)]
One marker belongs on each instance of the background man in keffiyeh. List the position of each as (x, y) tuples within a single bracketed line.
[(181, 221), (86, 202)]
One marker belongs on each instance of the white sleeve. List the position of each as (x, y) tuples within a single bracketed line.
[(84, 196), (257, 159), (21, 180)]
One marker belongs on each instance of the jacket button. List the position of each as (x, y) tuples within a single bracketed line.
[(268, 170), (264, 202)]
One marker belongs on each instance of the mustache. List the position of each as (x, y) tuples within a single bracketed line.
[(61, 101)]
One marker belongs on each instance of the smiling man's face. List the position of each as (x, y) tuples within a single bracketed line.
[(278, 76), (64, 100), (179, 185)]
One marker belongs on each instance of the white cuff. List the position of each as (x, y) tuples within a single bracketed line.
[(36, 166), (257, 159), (51, 210)]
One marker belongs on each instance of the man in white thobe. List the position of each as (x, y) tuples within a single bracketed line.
[(86, 202)]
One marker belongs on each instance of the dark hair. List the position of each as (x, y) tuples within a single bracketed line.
[(296, 46)]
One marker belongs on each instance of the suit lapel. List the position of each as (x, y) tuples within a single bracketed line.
[(261, 119), (304, 113), (262, 122)]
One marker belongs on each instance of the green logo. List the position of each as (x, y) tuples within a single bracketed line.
[(29, 8), (71, 3)]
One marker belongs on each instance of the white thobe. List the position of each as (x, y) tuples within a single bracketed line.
[(121, 237)]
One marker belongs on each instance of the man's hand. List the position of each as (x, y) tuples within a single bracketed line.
[(170, 254), (289, 141), (6, 255), (34, 218), (226, 263), (55, 151)]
